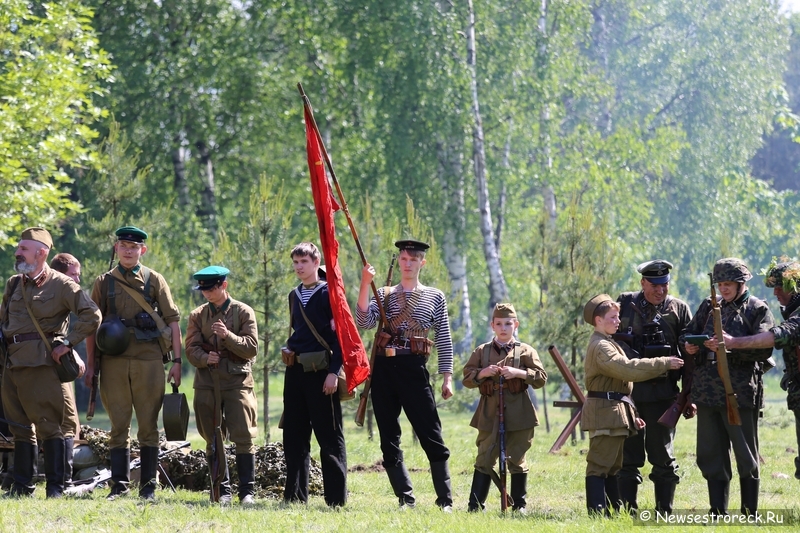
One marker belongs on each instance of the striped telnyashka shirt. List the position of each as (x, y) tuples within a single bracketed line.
[(430, 313)]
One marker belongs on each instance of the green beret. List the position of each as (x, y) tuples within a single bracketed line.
[(504, 311), (412, 245), (131, 233), (39, 235), (210, 277), (591, 305)]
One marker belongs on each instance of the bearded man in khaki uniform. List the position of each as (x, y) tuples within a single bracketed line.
[(133, 378), (32, 391), (222, 337)]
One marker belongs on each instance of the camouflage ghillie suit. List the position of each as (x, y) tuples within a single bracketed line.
[(744, 316), (787, 338)]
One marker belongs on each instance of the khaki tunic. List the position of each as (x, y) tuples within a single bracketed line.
[(519, 416), (607, 369), (239, 402), (134, 380), (32, 392)]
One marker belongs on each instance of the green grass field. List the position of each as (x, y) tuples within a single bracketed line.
[(555, 488)]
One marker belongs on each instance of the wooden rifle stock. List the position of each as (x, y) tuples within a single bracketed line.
[(734, 418), (96, 362), (503, 466), (672, 415), (361, 412), (217, 459)]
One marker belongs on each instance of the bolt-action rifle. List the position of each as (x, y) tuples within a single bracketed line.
[(96, 362), (364, 398), (722, 360)]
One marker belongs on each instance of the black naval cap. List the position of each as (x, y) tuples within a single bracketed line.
[(412, 245), (131, 233), (656, 271), (210, 277)]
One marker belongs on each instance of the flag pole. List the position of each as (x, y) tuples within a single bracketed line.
[(308, 108)]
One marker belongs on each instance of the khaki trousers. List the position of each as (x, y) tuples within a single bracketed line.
[(605, 455), (128, 386), (33, 395), (517, 445), (239, 414)]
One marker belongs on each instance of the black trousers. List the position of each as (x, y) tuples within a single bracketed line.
[(403, 382), (656, 441), (306, 407), (716, 437)]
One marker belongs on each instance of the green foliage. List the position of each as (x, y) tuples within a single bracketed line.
[(51, 74)]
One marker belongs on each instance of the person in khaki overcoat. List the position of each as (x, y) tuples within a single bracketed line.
[(222, 337), (609, 414), (520, 367), (32, 391)]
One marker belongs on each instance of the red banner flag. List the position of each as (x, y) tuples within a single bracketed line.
[(354, 356)]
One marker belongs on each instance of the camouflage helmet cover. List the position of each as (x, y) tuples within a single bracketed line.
[(785, 274), (731, 269)]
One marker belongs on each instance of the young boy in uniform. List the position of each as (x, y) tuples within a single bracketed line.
[(609, 414), (519, 365)]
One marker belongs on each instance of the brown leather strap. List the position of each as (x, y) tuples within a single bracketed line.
[(36, 322), (22, 337)]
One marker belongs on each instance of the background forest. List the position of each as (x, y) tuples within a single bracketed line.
[(546, 147)]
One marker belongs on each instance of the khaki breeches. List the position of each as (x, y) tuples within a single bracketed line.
[(517, 445), (71, 428), (239, 415), (33, 395), (128, 386), (605, 455)]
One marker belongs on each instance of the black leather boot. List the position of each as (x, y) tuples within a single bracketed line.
[(665, 495), (401, 484), (718, 496), (225, 487), (628, 491), (23, 470), (612, 495), (54, 463), (440, 473), (120, 472), (481, 483), (519, 490), (69, 452), (595, 495), (147, 472), (749, 488), (246, 468)]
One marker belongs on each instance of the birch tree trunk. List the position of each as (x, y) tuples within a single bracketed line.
[(498, 290), (451, 177), (208, 198), (180, 183)]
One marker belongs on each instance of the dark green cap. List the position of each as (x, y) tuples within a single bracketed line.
[(210, 277), (130, 233)]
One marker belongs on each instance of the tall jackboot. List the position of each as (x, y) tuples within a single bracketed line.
[(481, 483), (225, 497), (54, 462), (665, 495), (628, 491), (147, 470), (401, 484), (246, 468), (612, 495), (519, 490), (718, 490), (440, 474), (749, 488), (595, 495), (120, 472), (69, 452), (23, 470)]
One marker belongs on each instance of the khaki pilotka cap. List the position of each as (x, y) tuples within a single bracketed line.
[(591, 305), (504, 311), (37, 234)]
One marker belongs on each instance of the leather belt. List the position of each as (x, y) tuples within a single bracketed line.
[(22, 337), (607, 395), (391, 351)]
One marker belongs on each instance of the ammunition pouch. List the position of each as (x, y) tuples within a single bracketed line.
[(382, 339), (513, 385), (314, 361), (516, 385), (145, 322), (420, 345), (486, 388)]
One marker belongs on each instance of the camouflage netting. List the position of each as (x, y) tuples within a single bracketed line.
[(189, 469)]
